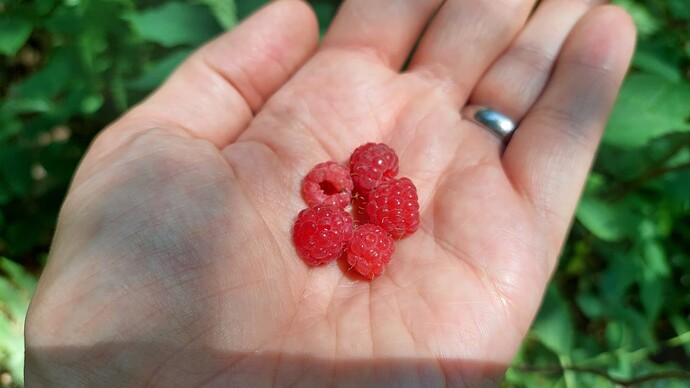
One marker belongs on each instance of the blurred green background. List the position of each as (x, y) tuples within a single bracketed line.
[(618, 309)]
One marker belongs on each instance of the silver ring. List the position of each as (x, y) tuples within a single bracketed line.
[(496, 122)]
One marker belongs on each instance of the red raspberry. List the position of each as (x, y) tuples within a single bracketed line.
[(369, 250), (328, 183), (394, 206), (370, 165), (320, 233)]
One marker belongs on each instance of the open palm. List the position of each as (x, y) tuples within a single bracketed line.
[(173, 262)]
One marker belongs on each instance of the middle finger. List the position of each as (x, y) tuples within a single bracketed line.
[(464, 38), (517, 78)]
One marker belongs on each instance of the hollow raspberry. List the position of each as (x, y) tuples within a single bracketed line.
[(320, 233), (394, 206), (369, 250), (328, 183), (370, 165)]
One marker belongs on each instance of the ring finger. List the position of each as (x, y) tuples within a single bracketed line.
[(515, 81)]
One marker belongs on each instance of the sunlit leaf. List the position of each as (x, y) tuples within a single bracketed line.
[(649, 106), (50, 80), (20, 105), (67, 21), (176, 23), (645, 22), (14, 32), (225, 11), (591, 305), (652, 60), (554, 325), (247, 7), (608, 220), (160, 71), (652, 291), (16, 288)]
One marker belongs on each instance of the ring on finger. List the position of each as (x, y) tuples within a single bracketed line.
[(492, 120)]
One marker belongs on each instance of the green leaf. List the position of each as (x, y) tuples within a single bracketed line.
[(620, 274), (655, 258), (91, 103), (42, 7), (16, 288), (677, 186), (682, 328), (78, 101), (14, 32), (247, 7), (52, 79), (649, 106), (609, 221), (652, 290), (9, 128), (20, 105), (160, 71), (590, 304), (680, 9), (554, 325), (225, 12), (15, 166), (325, 10), (615, 334), (175, 23), (25, 282), (651, 60), (599, 219), (645, 22), (653, 279), (68, 21)]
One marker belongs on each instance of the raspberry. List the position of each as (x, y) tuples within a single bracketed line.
[(370, 165), (394, 206), (320, 233), (369, 250), (328, 183)]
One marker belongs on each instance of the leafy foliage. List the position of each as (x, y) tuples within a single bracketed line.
[(16, 288), (623, 284), (618, 309)]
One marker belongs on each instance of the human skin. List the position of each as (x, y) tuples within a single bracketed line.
[(173, 264)]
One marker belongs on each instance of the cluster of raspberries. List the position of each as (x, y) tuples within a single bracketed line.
[(390, 208)]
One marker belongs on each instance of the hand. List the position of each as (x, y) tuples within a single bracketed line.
[(173, 263)]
